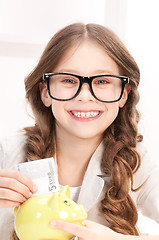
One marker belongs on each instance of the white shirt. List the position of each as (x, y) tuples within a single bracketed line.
[(93, 187)]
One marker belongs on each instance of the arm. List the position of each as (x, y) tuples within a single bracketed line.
[(95, 231)]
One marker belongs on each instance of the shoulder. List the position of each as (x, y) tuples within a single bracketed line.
[(147, 197), (12, 150), (147, 167), (148, 173), (147, 163)]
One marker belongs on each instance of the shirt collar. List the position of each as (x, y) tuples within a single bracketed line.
[(92, 184)]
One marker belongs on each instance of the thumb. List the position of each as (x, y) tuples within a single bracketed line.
[(77, 230)]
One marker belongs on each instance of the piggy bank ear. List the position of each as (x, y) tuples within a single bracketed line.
[(54, 201), (66, 190)]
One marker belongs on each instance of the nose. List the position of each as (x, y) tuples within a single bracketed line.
[(85, 94)]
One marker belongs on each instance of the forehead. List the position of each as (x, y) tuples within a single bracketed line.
[(87, 58)]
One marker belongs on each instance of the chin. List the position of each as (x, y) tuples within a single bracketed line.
[(88, 136)]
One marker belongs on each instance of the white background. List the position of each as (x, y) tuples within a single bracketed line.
[(27, 25)]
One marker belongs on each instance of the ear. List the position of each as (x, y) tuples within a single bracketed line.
[(44, 94), (124, 98)]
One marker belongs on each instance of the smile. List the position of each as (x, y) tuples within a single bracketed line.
[(83, 115)]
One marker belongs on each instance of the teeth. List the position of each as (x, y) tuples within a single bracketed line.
[(88, 114), (85, 115)]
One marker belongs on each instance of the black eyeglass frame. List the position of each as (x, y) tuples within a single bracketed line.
[(88, 80)]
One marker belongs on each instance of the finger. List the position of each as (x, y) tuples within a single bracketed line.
[(75, 229), (15, 185), (8, 204), (7, 194), (20, 177), (90, 224)]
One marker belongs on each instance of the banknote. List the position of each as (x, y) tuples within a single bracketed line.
[(43, 173)]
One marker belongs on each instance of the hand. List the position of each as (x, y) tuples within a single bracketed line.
[(15, 188), (91, 230)]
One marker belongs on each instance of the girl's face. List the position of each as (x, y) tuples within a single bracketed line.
[(87, 59)]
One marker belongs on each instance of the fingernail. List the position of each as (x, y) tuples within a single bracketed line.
[(30, 194), (24, 199), (35, 188), (53, 223)]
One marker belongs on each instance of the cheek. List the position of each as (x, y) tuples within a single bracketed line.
[(57, 109), (111, 112)]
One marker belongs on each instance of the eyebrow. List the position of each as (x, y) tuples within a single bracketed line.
[(99, 71)]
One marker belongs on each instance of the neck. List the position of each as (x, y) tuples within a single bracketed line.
[(73, 156), (76, 151)]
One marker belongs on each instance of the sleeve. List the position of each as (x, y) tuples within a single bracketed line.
[(148, 196), (12, 151), (6, 223), (1, 156)]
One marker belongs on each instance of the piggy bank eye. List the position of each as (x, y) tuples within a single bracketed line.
[(67, 203)]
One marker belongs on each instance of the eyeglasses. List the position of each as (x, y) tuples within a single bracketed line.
[(66, 86)]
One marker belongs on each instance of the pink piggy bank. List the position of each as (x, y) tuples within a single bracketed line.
[(33, 217)]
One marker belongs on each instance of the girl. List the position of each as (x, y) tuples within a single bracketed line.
[(83, 93)]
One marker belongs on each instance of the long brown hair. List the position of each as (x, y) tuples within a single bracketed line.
[(120, 158)]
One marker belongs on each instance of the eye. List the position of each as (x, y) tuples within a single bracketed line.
[(101, 82), (69, 81), (67, 203)]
